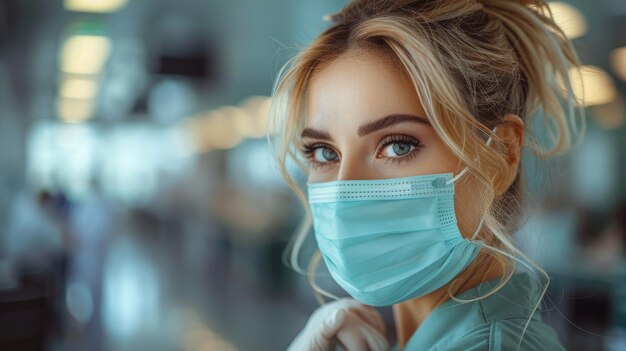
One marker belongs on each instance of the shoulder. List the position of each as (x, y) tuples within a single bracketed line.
[(504, 335)]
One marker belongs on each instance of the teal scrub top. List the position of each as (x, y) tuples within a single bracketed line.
[(493, 323)]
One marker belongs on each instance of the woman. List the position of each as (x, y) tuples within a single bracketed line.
[(410, 118)]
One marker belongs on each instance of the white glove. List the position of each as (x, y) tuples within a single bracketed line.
[(356, 326)]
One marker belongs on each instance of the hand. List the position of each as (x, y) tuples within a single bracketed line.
[(356, 326)]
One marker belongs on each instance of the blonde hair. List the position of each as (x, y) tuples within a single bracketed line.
[(471, 63)]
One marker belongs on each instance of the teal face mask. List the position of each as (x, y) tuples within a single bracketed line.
[(390, 240), (386, 241)]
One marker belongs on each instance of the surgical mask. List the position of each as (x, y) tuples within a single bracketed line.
[(386, 241)]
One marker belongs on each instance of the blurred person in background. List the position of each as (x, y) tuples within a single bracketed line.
[(410, 118), (37, 231), (38, 243)]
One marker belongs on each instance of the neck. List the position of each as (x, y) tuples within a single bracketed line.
[(409, 315)]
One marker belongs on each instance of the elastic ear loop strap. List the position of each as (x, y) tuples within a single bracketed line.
[(455, 178)]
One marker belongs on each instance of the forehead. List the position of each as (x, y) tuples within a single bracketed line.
[(359, 86)]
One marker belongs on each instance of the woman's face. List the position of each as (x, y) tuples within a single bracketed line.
[(364, 120)]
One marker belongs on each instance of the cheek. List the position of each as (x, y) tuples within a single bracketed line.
[(466, 200), (442, 157)]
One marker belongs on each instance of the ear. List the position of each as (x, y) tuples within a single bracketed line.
[(511, 133)]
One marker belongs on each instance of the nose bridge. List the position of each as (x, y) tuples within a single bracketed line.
[(355, 167)]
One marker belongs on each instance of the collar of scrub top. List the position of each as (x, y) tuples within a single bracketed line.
[(513, 301)]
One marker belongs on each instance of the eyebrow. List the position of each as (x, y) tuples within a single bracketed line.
[(388, 121), (370, 127)]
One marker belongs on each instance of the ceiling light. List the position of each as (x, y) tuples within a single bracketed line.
[(592, 85), (618, 61), (78, 88), (99, 6), (84, 54), (569, 18), (74, 110)]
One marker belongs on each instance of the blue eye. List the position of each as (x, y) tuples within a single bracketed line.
[(324, 154), (319, 155), (398, 149), (393, 149)]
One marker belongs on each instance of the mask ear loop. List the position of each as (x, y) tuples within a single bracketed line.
[(480, 225), (455, 178), (482, 218)]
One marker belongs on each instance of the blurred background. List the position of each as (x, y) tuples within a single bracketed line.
[(139, 208)]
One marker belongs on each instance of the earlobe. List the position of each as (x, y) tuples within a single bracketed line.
[(511, 134)]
